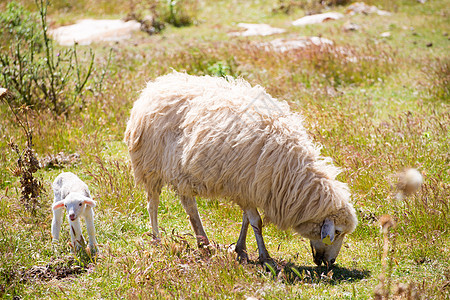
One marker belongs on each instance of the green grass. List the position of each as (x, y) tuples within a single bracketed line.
[(377, 105)]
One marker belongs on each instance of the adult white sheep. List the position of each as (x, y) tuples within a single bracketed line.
[(73, 194), (217, 137)]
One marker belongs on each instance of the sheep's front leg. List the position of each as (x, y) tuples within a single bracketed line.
[(58, 215), (89, 217), (152, 208), (76, 235), (241, 247), (190, 206), (256, 222)]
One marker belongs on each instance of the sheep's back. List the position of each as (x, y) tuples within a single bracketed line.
[(218, 137)]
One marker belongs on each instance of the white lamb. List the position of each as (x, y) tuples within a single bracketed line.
[(73, 194), (217, 137)]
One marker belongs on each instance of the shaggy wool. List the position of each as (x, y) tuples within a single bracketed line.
[(222, 138)]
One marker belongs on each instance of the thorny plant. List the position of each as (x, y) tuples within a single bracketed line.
[(27, 163), (383, 290)]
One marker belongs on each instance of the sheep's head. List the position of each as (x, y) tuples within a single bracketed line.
[(75, 204), (327, 236)]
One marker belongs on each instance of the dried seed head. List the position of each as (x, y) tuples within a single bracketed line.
[(409, 181), (386, 222)]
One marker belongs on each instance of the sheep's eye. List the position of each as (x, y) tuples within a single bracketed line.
[(65, 205), (81, 204), (337, 232)]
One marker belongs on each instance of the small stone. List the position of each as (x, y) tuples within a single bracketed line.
[(349, 26), (430, 45), (385, 34)]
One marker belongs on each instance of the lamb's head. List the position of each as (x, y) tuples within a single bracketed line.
[(326, 237), (75, 204)]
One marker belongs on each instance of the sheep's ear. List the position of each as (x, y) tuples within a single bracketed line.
[(58, 205), (90, 202), (327, 232)]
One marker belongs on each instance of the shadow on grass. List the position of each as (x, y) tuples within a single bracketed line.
[(334, 275), (291, 274)]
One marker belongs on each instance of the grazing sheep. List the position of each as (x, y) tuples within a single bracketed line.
[(217, 137), (73, 194)]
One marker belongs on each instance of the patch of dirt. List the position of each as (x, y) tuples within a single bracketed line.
[(59, 268)]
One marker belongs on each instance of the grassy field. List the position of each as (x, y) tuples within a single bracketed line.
[(376, 104)]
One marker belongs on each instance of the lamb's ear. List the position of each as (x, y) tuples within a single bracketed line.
[(58, 205), (90, 202), (327, 232)]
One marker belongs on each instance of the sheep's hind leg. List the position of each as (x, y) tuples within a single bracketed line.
[(241, 248), (152, 208), (190, 206), (256, 222)]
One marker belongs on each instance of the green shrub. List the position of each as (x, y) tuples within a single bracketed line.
[(16, 23), (177, 13), (34, 70)]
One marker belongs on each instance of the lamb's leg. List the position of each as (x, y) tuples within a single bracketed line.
[(256, 222), (89, 217), (58, 215), (241, 248), (152, 208), (190, 206), (76, 234)]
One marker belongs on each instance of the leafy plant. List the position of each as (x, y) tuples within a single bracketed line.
[(219, 68)]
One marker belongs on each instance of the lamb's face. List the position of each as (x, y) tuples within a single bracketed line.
[(75, 205)]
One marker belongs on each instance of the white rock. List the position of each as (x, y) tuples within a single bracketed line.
[(315, 19), (257, 29), (363, 8), (87, 31), (385, 34), (283, 45)]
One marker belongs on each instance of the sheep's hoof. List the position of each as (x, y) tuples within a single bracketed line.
[(242, 257), (270, 266), (202, 242), (92, 251)]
